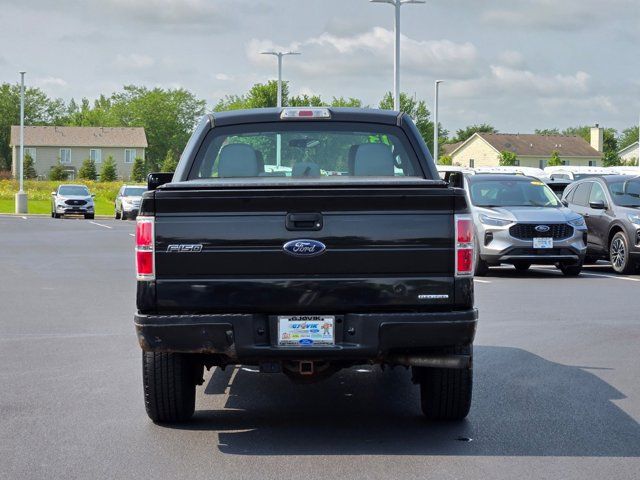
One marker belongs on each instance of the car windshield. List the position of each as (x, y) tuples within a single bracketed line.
[(73, 190), (305, 150), (134, 191), (511, 193), (626, 193)]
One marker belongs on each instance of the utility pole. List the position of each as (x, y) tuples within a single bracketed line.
[(21, 196), (279, 101), (396, 57), (435, 122)]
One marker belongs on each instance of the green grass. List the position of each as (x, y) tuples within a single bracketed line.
[(39, 195)]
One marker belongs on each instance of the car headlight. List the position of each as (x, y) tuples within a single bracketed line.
[(634, 218), (493, 221), (577, 222)]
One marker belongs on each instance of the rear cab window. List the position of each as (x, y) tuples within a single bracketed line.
[(294, 150)]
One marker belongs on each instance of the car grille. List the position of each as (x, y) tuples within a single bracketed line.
[(527, 231), (76, 202), (545, 252)]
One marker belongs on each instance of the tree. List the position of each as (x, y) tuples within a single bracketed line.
[(547, 131), (629, 137), (555, 160), (29, 169), (445, 160), (611, 159), (170, 162), (610, 140), (508, 159), (346, 102), (138, 171), (108, 172), (39, 109), (467, 132), (88, 170), (306, 101), (58, 173), (417, 110)]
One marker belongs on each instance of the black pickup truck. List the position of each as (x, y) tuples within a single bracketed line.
[(304, 241)]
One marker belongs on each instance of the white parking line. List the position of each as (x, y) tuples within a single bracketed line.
[(24, 218), (132, 234), (101, 225), (616, 277), (481, 281)]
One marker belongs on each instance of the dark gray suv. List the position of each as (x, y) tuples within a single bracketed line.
[(611, 207)]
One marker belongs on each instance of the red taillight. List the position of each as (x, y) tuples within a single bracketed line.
[(145, 249), (464, 255), (305, 113)]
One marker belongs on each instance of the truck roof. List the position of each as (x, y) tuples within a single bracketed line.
[(338, 114)]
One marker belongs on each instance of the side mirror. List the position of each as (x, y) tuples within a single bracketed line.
[(53, 193), (565, 203), (155, 180), (599, 205), (93, 195)]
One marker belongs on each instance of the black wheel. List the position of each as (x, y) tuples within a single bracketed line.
[(124, 215), (619, 254), (117, 215), (522, 266), (53, 215), (56, 215), (570, 270), (169, 381), (481, 268), (89, 216), (591, 260), (445, 394)]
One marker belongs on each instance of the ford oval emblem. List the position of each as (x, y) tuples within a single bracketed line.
[(304, 248), (305, 341), (543, 228)]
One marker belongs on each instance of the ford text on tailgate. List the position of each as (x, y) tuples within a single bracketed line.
[(304, 241)]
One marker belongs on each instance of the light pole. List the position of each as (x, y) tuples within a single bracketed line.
[(278, 136), (435, 121), (21, 196), (280, 55), (396, 57)]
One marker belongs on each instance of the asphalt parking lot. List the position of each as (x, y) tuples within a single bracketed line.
[(557, 384)]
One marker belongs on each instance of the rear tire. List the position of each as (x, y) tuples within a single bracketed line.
[(123, 215), (522, 266), (570, 270), (56, 215), (445, 394), (481, 268), (619, 254), (169, 381), (117, 215), (89, 216)]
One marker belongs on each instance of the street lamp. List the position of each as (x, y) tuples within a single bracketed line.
[(435, 121), (278, 136), (21, 196), (280, 55), (396, 58)]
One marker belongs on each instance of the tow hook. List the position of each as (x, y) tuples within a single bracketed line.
[(306, 367)]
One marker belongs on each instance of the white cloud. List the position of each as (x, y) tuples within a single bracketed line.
[(133, 61), (50, 82), (511, 58), (367, 53), (223, 77)]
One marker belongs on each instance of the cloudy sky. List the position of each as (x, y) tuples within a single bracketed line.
[(517, 64)]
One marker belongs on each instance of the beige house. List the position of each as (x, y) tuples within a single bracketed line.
[(483, 149), (629, 154), (70, 146)]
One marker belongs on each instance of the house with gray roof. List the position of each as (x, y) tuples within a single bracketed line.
[(532, 150), (629, 154), (70, 146)]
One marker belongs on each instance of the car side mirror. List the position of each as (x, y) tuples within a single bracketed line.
[(155, 180), (53, 193), (598, 205), (93, 195), (565, 203)]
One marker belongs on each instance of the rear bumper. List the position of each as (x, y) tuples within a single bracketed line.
[(248, 338)]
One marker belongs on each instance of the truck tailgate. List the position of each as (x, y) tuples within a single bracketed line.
[(221, 250)]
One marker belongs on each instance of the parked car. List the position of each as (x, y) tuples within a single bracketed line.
[(515, 170), (72, 200), (127, 202), (520, 221), (309, 273), (574, 173), (611, 208)]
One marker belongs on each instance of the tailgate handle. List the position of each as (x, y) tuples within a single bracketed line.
[(304, 221)]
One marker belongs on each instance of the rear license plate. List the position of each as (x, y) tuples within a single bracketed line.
[(543, 242), (306, 330)]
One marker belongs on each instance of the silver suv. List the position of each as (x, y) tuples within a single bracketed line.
[(72, 200), (127, 203), (520, 221)]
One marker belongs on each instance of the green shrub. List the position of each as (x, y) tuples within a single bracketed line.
[(170, 162), (508, 159), (58, 173), (88, 170), (109, 172), (445, 160), (138, 171), (29, 169), (555, 160)]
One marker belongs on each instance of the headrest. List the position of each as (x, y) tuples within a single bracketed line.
[(373, 160), (238, 160), (351, 158), (305, 169)]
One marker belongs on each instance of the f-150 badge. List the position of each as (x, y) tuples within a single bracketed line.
[(184, 248), (304, 248)]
